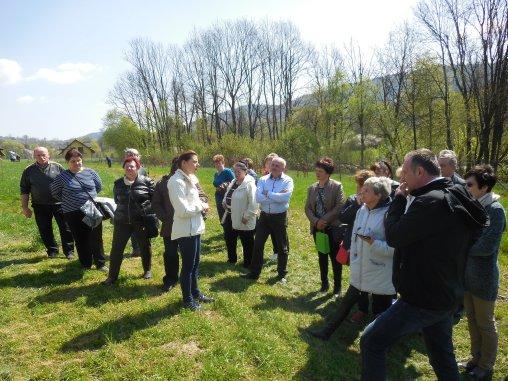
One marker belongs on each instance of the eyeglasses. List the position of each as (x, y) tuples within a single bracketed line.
[(469, 185)]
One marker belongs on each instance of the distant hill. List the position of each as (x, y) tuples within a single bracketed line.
[(28, 141)]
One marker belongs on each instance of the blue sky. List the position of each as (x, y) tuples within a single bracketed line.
[(59, 59)]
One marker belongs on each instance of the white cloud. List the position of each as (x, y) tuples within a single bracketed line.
[(66, 73), (10, 71), (27, 99)]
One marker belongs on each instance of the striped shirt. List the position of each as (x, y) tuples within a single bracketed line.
[(70, 192)]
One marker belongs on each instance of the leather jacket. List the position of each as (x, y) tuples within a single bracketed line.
[(133, 201)]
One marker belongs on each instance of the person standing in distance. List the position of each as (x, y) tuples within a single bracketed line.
[(448, 163), (35, 183)]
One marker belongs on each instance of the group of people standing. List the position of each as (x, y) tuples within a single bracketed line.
[(433, 239)]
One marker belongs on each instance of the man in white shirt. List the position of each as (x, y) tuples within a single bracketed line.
[(273, 193)]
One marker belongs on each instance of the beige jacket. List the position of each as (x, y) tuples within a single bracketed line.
[(333, 198), (243, 204), (184, 197)]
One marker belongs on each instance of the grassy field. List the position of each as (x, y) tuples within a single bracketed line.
[(57, 323)]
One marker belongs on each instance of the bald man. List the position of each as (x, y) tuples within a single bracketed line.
[(34, 184)]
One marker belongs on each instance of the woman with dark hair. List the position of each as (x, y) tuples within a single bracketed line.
[(162, 207), (324, 201), (74, 187), (384, 168), (188, 225), (132, 193), (482, 275)]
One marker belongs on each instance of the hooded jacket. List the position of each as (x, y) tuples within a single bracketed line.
[(371, 265), (431, 241)]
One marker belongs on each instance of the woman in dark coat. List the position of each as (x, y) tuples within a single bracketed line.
[(133, 194)]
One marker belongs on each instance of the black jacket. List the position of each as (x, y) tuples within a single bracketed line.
[(347, 215), (431, 241), (133, 201)]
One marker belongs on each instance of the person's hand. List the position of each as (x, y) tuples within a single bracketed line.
[(369, 240), (358, 199), (27, 212), (244, 220), (206, 207), (402, 190), (321, 224)]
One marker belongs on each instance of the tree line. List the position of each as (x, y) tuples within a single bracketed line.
[(440, 82)]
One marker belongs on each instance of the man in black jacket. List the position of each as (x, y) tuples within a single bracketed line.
[(431, 224)]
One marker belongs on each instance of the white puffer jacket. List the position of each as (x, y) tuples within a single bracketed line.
[(243, 204), (184, 197), (371, 265)]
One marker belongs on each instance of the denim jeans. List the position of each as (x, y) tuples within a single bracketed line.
[(400, 320), (190, 248)]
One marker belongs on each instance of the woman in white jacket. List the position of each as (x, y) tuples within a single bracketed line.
[(239, 219), (370, 257), (188, 225)]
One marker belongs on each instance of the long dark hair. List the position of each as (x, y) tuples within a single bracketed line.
[(185, 156)]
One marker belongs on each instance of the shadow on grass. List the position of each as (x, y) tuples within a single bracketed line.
[(21, 261), (309, 302), (97, 294), (70, 273), (118, 330), (213, 243), (234, 283), (339, 357)]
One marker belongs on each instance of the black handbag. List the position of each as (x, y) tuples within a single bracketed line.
[(151, 224), (150, 220)]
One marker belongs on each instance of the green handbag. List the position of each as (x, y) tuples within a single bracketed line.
[(322, 242)]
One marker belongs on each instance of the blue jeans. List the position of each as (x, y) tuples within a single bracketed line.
[(190, 248), (400, 320)]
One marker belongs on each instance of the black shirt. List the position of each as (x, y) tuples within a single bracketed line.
[(35, 180)]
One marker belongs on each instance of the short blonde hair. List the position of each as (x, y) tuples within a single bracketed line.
[(218, 158)]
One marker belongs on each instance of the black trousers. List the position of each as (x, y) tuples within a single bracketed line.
[(88, 241), (121, 235), (44, 219), (246, 238), (336, 266), (380, 303), (347, 303), (171, 262), (274, 225)]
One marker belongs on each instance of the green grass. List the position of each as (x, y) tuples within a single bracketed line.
[(57, 323)]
